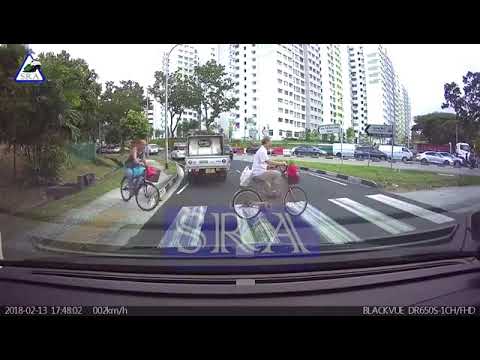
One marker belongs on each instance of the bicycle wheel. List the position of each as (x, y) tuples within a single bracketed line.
[(295, 201), (247, 203), (147, 196), (124, 190)]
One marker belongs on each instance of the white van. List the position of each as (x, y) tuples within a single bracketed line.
[(347, 150), (399, 152)]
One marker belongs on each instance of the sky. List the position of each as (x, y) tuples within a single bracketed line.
[(422, 68)]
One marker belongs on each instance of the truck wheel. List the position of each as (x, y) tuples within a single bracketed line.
[(338, 155), (404, 159)]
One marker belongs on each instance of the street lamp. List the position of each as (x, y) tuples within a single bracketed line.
[(166, 104)]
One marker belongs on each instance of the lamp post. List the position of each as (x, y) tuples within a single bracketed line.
[(166, 104)]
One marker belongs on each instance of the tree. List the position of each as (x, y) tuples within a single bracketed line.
[(80, 89), (116, 103), (135, 126), (438, 128), (466, 104), (181, 96), (212, 88), (350, 133), (186, 126)]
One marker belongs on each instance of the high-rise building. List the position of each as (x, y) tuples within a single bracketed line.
[(378, 96), (285, 89)]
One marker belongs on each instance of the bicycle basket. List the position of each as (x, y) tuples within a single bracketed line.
[(293, 180), (152, 174)]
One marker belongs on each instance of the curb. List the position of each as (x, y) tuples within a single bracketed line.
[(352, 179)]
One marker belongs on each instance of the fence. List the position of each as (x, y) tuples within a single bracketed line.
[(86, 151)]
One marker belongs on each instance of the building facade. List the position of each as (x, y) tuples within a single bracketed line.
[(285, 89), (377, 95)]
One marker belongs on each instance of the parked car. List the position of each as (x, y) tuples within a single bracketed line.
[(399, 152), (252, 149), (365, 152), (432, 157), (227, 150), (308, 151), (457, 161), (153, 149), (287, 152)]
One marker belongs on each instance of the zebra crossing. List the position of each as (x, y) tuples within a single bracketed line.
[(348, 221)]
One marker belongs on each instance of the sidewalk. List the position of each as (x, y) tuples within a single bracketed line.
[(458, 199), (106, 220)]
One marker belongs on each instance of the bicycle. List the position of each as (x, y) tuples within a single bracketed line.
[(145, 192), (247, 202)]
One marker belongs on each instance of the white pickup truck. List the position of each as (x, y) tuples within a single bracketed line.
[(205, 157)]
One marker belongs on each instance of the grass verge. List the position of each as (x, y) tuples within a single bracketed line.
[(55, 208), (396, 180)]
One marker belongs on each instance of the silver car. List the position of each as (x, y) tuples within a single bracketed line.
[(457, 161), (432, 157)]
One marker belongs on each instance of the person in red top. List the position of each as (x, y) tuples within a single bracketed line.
[(293, 173)]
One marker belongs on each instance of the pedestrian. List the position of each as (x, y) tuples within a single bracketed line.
[(135, 164)]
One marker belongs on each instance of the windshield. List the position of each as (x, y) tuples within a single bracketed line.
[(79, 179)]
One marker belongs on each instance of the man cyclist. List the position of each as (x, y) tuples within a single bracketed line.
[(260, 170)]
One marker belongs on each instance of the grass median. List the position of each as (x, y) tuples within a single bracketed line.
[(395, 179)]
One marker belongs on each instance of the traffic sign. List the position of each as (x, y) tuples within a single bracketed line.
[(329, 129), (253, 133), (379, 130)]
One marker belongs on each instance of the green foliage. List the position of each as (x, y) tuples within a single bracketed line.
[(135, 126), (350, 133), (438, 128), (212, 87), (181, 96)]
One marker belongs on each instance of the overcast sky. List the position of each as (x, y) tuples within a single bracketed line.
[(423, 69)]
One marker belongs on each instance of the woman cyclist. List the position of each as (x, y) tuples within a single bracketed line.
[(135, 164)]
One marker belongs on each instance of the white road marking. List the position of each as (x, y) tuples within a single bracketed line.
[(412, 209), (183, 188), (381, 220), (1, 247), (327, 227), (185, 230), (325, 178)]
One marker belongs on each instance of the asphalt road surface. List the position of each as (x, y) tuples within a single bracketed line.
[(198, 220)]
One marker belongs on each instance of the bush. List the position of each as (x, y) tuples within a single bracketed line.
[(47, 163)]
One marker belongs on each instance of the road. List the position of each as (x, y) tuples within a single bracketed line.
[(397, 165), (198, 219)]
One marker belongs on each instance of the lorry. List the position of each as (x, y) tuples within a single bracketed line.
[(462, 150), (205, 157)]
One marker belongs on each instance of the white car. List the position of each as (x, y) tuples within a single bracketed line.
[(153, 149), (178, 152), (457, 161), (432, 157), (287, 152)]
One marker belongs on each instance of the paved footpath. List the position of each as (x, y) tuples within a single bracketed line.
[(106, 220), (458, 199)]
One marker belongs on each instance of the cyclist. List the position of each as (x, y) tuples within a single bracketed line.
[(261, 171), (135, 164)]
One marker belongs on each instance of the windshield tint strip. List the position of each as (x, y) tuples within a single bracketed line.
[(412, 209), (185, 230), (326, 227), (381, 220)]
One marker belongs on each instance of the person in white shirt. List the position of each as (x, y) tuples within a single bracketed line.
[(260, 169)]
